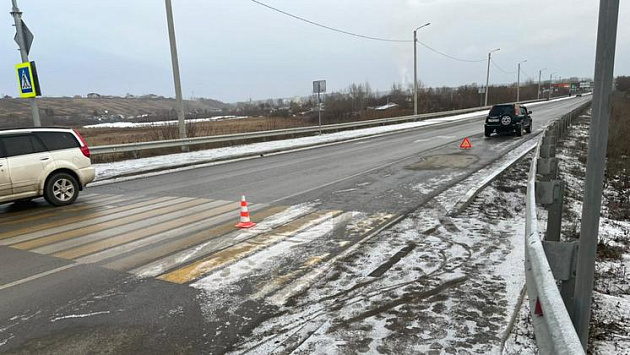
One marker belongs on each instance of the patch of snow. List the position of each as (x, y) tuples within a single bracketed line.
[(79, 315)]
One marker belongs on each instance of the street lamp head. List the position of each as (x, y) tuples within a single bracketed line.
[(521, 62), (495, 50), (425, 25)]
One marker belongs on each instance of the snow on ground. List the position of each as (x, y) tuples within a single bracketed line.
[(430, 284), (198, 158), (610, 322), (161, 123)]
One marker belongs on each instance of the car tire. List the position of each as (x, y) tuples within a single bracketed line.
[(519, 130), (487, 132), (529, 128), (61, 189)]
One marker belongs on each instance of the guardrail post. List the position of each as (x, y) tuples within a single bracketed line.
[(548, 146), (550, 194), (562, 258)]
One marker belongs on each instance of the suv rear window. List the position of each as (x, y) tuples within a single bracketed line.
[(58, 140), (22, 145), (502, 110)]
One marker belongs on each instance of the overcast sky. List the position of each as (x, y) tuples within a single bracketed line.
[(234, 50)]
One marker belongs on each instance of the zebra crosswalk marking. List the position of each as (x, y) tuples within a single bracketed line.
[(143, 221), (208, 210), (70, 223), (86, 227), (27, 215)]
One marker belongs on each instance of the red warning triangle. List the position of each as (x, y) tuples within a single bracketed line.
[(465, 144)]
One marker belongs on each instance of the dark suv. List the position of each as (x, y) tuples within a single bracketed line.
[(508, 118)]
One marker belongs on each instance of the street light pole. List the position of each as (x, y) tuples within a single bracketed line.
[(415, 68), (488, 74), (550, 81), (17, 18), (518, 81), (178, 85), (539, 76)]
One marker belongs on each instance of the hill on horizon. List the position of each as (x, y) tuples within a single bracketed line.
[(76, 111)]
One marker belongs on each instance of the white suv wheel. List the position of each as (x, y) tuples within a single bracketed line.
[(61, 189)]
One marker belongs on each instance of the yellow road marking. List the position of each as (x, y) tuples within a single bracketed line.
[(201, 267), (32, 244)]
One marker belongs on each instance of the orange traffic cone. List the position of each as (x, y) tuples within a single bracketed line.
[(245, 222)]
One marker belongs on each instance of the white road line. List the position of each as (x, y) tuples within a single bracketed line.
[(422, 140), (445, 137), (35, 277)]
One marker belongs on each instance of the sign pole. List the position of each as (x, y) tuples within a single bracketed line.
[(319, 86), (17, 17), (181, 116), (319, 112), (596, 164)]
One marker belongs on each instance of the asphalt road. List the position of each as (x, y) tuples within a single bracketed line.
[(69, 278), (376, 165)]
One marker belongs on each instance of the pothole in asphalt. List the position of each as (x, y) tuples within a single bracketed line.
[(458, 160)]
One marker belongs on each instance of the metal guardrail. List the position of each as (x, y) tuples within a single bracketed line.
[(555, 333), (135, 147)]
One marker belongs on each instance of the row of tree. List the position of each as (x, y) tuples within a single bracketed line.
[(359, 101)]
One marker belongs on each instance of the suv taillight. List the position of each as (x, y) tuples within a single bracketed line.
[(84, 147)]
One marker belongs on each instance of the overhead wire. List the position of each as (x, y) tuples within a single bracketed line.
[(331, 28), (501, 69), (450, 56), (381, 39), (529, 77)]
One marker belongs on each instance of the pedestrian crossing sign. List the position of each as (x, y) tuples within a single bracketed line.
[(27, 79)]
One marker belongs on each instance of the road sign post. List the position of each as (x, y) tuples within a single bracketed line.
[(596, 163), (319, 86), (181, 116), (24, 38)]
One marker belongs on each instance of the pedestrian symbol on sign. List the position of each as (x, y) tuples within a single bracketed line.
[(27, 79), (26, 83)]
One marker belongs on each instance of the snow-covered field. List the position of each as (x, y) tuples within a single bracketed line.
[(161, 123)]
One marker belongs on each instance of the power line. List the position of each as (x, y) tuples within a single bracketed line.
[(360, 35), (450, 56), (331, 28), (501, 69), (529, 77)]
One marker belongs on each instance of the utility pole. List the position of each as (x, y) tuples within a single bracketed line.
[(518, 81), (488, 74), (17, 17), (415, 68), (178, 85), (596, 164), (539, 76), (550, 81)]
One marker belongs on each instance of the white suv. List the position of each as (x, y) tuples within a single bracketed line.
[(49, 162)]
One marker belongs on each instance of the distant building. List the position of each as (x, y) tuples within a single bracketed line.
[(93, 95)]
